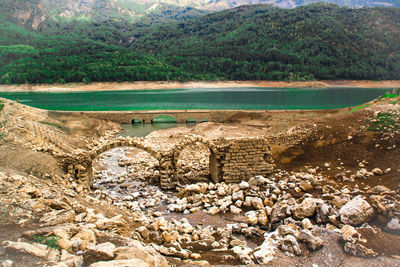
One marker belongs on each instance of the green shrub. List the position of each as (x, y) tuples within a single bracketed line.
[(50, 241)]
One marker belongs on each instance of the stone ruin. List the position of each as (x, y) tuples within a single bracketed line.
[(231, 160)]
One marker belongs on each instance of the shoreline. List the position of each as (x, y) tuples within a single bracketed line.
[(144, 85)]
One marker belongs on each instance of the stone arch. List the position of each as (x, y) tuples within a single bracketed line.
[(214, 161), (163, 115), (190, 120), (137, 121), (88, 160)]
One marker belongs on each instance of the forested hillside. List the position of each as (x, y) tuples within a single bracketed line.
[(317, 41), (262, 42)]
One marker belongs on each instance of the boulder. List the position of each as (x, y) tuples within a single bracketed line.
[(349, 233), (235, 210), (238, 195), (243, 254), (377, 171), (313, 242), (356, 211), (265, 253), (251, 217), (38, 250), (257, 203), (170, 237), (306, 223), (213, 210), (279, 212), (100, 252), (305, 209), (323, 212), (109, 224), (137, 251), (289, 244), (306, 186), (394, 224)]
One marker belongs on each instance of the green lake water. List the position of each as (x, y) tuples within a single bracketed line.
[(204, 98)]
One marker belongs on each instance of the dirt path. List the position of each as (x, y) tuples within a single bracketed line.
[(143, 85)]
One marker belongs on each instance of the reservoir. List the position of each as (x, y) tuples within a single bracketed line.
[(205, 98)]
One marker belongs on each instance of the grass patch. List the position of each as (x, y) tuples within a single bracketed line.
[(359, 107), (389, 96), (1, 105), (385, 122), (58, 126), (50, 241)]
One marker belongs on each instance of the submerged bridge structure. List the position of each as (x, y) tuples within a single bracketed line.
[(231, 160), (179, 116)]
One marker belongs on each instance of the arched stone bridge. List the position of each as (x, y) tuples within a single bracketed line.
[(231, 160)]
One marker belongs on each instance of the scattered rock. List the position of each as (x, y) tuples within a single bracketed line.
[(356, 211), (313, 242), (38, 250), (289, 244), (100, 252), (305, 209)]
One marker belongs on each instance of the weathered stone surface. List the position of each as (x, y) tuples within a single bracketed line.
[(109, 224), (100, 252), (377, 171), (213, 210), (251, 217), (235, 210), (257, 203), (266, 251), (120, 263), (306, 223), (356, 211), (280, 211), (348, 233), (238, 195), (38, 250), (138, 251), (243, 254), (86, 234), (394, 224), (306, 186), (58, 217), (305, 209), (313, 242), (289, 244), (170, 236)]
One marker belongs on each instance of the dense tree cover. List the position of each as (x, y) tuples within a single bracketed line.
[(251, 42), (261, 42)]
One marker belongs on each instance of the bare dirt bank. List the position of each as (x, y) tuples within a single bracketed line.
[(143, 85)]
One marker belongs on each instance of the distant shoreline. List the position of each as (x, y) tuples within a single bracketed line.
[(144, 85)]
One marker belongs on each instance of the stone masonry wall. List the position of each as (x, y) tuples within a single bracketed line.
[(246, 158)]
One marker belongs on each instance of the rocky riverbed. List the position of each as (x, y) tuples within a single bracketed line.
[(250, 222)]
